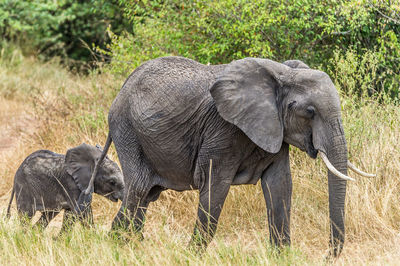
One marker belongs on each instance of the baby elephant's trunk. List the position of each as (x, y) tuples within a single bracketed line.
[(85, 198), (9, 204), (120, 195)]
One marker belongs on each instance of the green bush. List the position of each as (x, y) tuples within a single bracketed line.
[(61, 28), (361, 76), (321, 33)]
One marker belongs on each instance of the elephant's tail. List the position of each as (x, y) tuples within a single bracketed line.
[(85, 198), (9, 204), (107, 145), (98, 163)]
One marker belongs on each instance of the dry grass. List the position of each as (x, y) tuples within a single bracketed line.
[(44, 106)]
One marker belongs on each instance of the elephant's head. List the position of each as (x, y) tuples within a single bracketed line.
[(274, 103), (80, 162)]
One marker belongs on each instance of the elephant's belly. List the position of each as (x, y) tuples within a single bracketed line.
[(171, 142), (173, 161), (252, 168), (27, 202)]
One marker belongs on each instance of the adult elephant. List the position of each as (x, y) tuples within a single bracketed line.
[(174, 116)]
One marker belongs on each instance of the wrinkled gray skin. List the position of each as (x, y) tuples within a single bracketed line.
[(49, 182), (173, 115)]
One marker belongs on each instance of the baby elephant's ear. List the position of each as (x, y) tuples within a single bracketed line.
[(80, 162), (101, 149)]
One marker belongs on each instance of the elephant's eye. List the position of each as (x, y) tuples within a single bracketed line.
[(310, 112), (112, 182), (290, 105)]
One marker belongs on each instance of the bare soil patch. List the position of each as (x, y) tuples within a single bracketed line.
[(17, 126)]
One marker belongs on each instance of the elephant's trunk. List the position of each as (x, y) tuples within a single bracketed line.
[(337, 155)]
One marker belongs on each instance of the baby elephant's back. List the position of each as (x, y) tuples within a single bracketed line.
[(39, 184)]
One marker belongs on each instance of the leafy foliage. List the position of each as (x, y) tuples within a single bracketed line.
[(60, 28), (359, 38), (317, 32)]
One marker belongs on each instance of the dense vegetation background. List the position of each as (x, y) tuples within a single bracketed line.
[(333, 35), (65, 28), (62, 62)]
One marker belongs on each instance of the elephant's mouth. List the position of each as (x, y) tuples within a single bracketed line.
[(111, 196), (310, 150)]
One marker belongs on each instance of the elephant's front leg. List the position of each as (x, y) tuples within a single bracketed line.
[(70, 218), (68, 221), (87, 217), (276, 183), (213, 193)]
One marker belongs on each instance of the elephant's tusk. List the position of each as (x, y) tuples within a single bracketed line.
[(358, 171), (333, 169)]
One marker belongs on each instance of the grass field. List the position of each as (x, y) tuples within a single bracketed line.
[(43, 106)]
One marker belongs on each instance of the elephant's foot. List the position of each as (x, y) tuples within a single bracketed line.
[(125, 235), (197, 247), (199, 242), (124, 229), (280, 241)]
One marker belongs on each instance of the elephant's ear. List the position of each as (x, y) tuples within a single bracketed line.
[(101, 150), (245, 95), (296, 64), (80, 162)]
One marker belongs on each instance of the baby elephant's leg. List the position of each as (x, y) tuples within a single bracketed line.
[(46, 217), (68, 220), (26, 216), (87, 217)]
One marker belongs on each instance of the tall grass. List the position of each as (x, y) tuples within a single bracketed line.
[(60, 110)]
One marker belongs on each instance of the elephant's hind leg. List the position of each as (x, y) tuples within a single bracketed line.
[(140, 183), (26, 211), (26, 216), (132, 213)]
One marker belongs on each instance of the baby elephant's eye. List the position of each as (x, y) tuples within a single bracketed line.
[(291, 105), (112, 182)]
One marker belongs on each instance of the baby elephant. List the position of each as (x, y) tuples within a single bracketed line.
[(49, 182)]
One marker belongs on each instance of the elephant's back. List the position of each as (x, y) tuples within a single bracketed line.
[(170, 89), (36, 181), (165, 87), (36, 164), (39, 162), (168, 100)]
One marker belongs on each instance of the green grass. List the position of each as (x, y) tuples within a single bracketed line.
[(66, 109), (21, 244)]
